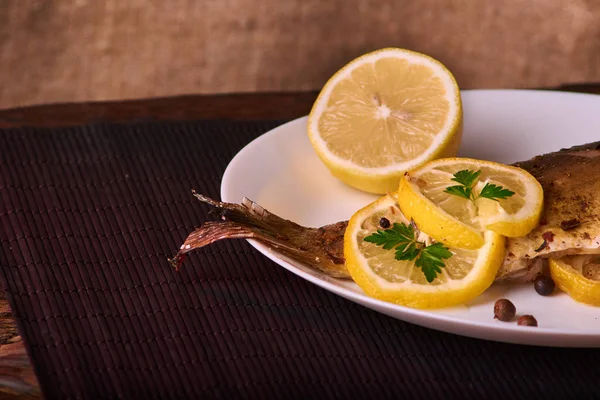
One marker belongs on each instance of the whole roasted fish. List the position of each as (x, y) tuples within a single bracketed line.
[(569, 226)]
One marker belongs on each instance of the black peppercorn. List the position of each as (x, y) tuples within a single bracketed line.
[(504, 310), (544, 285), (384, 222), (527, 320)]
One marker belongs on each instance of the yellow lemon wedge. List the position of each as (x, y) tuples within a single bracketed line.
[(578, 276), (465, 274), (459, 220), (383, 114)]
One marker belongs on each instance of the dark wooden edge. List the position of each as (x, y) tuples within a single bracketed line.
[(242, 106)]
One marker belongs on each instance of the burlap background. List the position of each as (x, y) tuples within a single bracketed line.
[(76, 50)]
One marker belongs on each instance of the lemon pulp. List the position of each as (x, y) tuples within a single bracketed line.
[(460, 222), (383, 114), (466, 274)]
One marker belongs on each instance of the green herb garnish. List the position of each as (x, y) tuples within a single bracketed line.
[(403, 239), (468, 179)]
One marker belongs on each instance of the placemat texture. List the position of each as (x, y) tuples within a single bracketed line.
[(89, 216)]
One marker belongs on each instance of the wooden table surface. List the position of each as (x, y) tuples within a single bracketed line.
[(17, 380)]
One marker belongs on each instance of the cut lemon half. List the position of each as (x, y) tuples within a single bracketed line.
[(383, 114), (460, 222), (466, 274), (578, 276)]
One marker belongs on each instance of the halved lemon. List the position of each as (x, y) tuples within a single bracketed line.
[(466, 274), (578, 276), (383, 114), (460, 222)]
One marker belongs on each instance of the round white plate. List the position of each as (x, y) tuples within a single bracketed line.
[(280, 171)]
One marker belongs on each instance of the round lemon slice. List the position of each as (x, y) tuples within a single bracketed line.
[(458, 221), (579, 277), (465, 274), (383, 114)]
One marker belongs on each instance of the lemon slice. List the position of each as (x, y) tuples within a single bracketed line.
[(579, 277), (460, 222), (385, 113), (467, 273)]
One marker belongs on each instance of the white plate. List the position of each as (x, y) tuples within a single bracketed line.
[(280, 171)]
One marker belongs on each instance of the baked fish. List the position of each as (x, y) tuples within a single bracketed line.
[(569, 225), (570, 221)]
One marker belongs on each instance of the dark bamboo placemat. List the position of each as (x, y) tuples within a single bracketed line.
[(89, 216)]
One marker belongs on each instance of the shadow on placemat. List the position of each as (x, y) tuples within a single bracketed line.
[(89, 216)]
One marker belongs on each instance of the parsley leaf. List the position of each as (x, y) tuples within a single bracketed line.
[(431, 260), (494, 192), (468, 179), (459, 191), (407, 253), (398, 235), (402, 238)]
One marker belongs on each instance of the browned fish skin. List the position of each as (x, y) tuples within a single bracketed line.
[(570, 222), (570, 179)]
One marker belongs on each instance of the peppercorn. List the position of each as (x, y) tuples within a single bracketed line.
[(384, 222), (527, 320), (504, 310), (544, 285)]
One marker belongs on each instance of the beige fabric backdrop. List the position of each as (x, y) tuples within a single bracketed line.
[(76, 50)]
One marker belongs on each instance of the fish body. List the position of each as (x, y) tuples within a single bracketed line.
[(569, 226), (570, 221)]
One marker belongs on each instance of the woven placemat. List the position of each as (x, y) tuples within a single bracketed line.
[(89, 216)]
